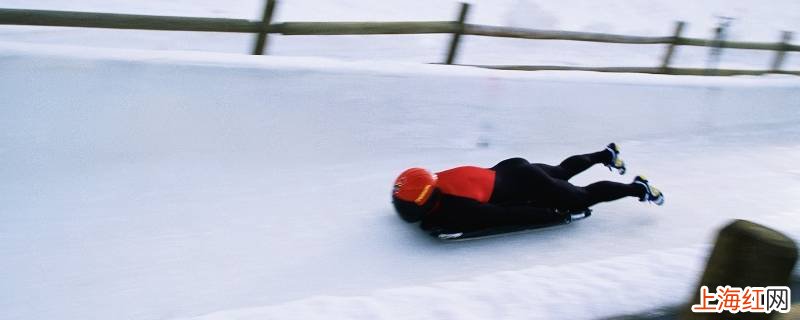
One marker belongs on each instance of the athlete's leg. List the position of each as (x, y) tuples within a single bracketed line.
[(575, 164), (563, 195), (517, 181)]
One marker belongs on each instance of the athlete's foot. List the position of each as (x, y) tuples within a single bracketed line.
[(651, 194), (616, 162)]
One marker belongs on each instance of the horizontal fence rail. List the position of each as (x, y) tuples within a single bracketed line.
[(654, 70), (457, 28), (124, 21), (772, 46), (364, 28), (510, 32)]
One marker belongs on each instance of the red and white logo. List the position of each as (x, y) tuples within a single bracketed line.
[(747, 299)]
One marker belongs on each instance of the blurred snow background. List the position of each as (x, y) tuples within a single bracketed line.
[(753, 21)]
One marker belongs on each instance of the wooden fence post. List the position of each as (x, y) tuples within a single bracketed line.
[(261, 38), (786, 37), (671, 48), (745, 255), (451, 54)]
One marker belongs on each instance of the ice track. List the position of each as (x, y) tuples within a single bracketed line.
[(144, 185)]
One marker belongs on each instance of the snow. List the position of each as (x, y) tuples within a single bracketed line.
[(506, 294), (180, 184), (263, 183)]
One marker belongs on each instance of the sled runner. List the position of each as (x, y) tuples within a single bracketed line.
[(492, 232)]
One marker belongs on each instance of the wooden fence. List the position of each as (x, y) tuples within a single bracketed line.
[(456, 28)]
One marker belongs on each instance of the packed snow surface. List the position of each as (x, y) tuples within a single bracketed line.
[(152, 185), (194, 182)]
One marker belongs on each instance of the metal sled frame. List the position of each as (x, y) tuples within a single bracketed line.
[(506, 230)]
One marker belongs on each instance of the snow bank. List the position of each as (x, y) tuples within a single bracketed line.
[(588, 290)]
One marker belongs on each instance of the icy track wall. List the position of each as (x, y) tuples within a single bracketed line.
[(115, 105), (156, 185)]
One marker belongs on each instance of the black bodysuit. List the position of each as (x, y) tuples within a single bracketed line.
[(526, 193)]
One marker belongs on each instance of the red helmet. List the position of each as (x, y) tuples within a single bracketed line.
[(411, 194)]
